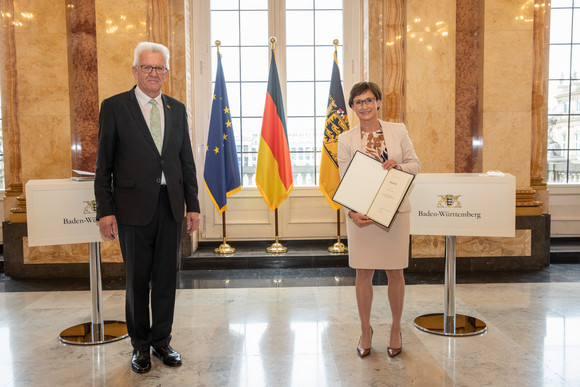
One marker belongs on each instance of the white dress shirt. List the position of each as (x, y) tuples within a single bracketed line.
[(145, 106)]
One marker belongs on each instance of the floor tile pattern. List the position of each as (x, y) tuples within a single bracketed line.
[(279, 328)]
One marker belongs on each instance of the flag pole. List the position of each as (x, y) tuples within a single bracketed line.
[(276, 247), (333, 127), (338, 247), (217, 178), (224, 247)]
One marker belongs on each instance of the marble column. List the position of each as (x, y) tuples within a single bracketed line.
[(157, 21), (166, 25), (14, 202), (177, 40), (158, 31), (468, 76), (83, 83), (509, 76), (540, 103), (386, 31)]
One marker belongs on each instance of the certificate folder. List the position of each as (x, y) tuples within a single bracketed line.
[(370, 190)]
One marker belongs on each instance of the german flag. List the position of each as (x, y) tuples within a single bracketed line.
[(274, 169)]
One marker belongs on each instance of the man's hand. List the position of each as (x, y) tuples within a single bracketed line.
[(108, 227), (192, 219)]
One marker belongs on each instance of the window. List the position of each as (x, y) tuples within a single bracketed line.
[(564, 93), (243, 30)]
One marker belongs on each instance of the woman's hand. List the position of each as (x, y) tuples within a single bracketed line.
[(358, 219), (390, 164)]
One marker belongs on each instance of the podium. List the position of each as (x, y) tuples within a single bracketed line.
[(63, 211), (460, 204)]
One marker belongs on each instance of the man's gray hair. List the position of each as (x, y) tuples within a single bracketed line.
[(151, 47)]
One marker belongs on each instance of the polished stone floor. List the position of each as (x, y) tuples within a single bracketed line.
[(299, 327)]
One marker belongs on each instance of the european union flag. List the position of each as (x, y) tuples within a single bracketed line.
[(221, 171)]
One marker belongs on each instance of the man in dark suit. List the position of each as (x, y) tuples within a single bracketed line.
[(145, 176)]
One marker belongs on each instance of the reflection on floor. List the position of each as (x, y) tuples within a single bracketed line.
[(300, 328)]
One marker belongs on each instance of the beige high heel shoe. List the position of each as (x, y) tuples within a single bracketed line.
[(364, 352), (392, 352)]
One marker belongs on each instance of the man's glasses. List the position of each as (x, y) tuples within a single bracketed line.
[(149, 69), (360, 102)]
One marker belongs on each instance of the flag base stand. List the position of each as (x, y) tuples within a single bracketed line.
[(338, 247), (276, 248), (224, 249)]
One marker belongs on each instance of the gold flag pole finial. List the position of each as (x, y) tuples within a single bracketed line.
[(335, 42), (273, 41), (218, 44)]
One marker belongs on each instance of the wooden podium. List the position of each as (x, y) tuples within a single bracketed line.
[(460, 205), (63, 211)]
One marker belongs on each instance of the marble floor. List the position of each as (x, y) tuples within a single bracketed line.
[(245, 330)]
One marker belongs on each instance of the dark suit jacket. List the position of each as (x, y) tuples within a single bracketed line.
[(128, 171)]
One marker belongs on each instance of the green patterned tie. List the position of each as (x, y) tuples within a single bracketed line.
[(155, 124)]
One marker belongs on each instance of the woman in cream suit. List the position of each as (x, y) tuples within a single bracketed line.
[(372, 246)]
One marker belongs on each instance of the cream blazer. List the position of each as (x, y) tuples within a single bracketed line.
[(399, 147)]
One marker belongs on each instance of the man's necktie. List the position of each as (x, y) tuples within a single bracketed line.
[(155, 124)]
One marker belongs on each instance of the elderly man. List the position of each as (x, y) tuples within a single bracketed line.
[(145, 178)]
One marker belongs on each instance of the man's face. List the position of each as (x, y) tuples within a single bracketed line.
[(150, 83)]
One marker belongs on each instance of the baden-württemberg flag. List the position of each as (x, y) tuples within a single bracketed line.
[(274, 169), (336, 123), (221, 172)]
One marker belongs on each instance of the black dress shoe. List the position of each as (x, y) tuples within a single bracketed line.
[(141, 361), (169, 355)]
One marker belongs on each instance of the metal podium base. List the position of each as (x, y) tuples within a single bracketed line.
[(82, 334), (464, 325)]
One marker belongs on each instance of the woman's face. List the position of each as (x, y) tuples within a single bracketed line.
[(365, 106)]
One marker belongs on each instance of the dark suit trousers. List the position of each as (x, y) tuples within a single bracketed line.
[(150, 254)]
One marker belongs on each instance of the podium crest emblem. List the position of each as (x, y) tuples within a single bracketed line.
[(449, 201), (90, 207)]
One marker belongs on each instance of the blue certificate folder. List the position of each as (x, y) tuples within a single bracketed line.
[(370, 190)]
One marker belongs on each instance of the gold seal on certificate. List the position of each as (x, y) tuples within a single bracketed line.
[(370, 190)]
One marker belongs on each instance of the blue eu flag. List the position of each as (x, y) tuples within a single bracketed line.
[(221, 171)]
